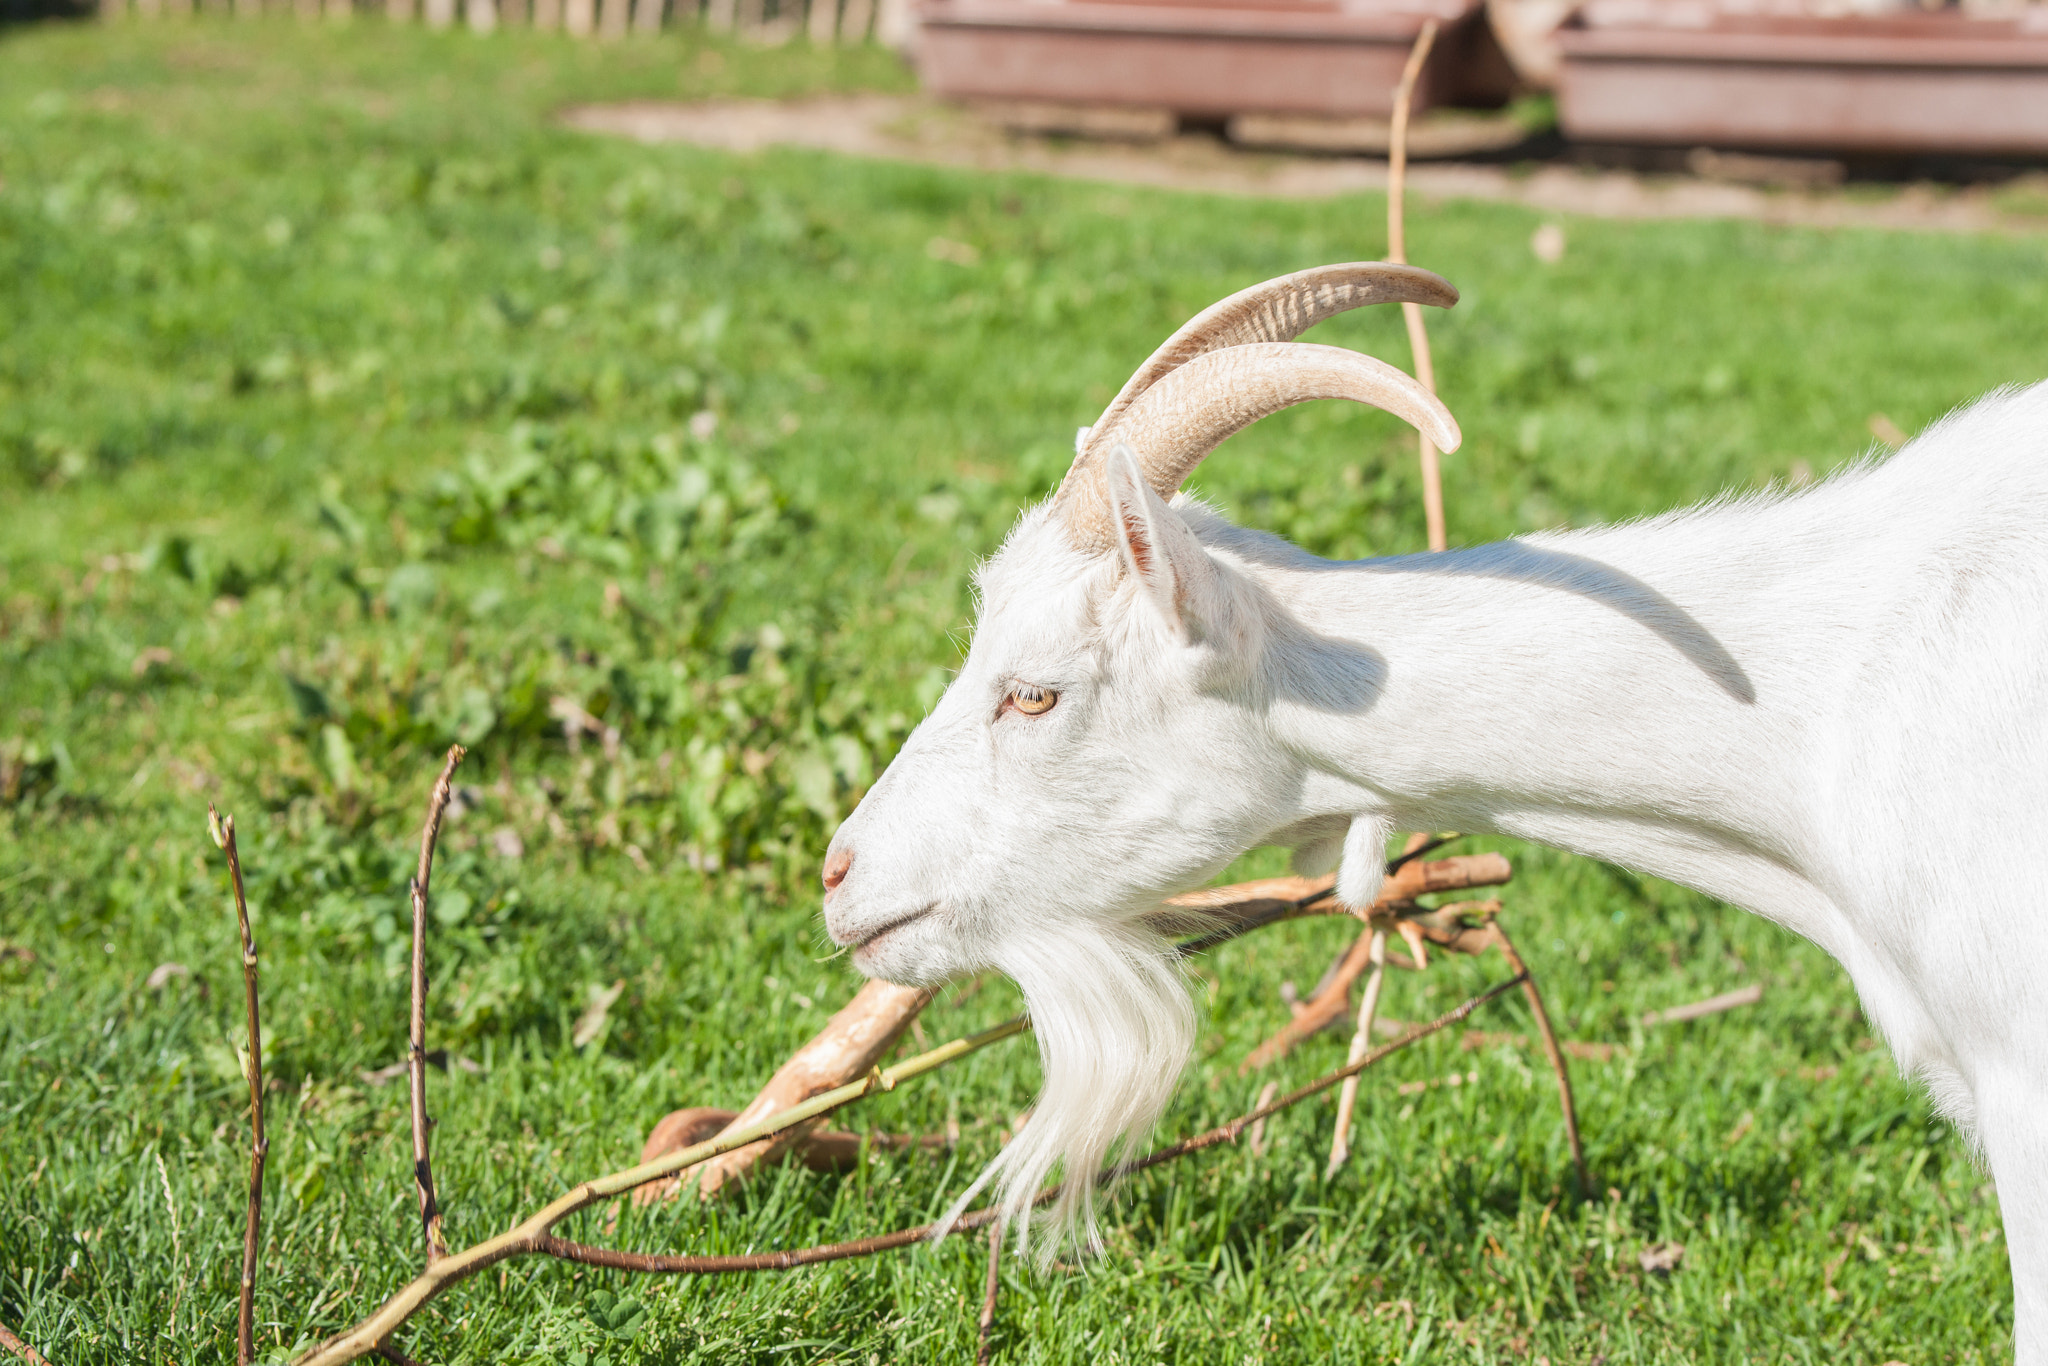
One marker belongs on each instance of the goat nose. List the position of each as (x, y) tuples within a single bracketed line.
[(836, 868)]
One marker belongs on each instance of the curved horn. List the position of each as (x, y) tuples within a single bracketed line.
[(1196, 406), (1277, 310)]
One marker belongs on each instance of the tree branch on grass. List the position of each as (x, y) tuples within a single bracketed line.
[(849, 1046), (20, 1348)]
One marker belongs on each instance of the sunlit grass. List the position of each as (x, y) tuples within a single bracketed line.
[(347, 408)]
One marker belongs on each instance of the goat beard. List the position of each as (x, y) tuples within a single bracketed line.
[(1110, 1009)]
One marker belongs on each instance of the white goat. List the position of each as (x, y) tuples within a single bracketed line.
[(1829, 707)]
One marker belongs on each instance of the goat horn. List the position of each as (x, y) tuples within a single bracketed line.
[(1195, 407), (1278, 310)]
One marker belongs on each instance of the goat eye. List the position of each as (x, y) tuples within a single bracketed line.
[(1032, 700)]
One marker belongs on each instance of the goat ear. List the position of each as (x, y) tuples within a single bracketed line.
[(1156, 546)]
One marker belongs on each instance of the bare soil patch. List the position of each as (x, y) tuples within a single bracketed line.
[(910, 128)]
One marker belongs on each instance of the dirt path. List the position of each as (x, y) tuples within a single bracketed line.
[(909, 128)]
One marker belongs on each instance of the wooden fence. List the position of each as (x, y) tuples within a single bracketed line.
[(763, 21)]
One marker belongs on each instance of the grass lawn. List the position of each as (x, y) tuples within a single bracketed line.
[(348, 408)]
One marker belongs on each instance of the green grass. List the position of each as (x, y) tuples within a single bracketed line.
[(346, 410)]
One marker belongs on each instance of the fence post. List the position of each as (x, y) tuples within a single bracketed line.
[(895, 24), (823, 22), (854, 24)]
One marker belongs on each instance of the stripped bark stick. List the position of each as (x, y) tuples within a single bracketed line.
[(535, 1234), (20, 1348), (849, 1046), (223, 830), (1397, 251), (1347, 1098), (1550, 1047), (416, 1052), (1713, 1005)]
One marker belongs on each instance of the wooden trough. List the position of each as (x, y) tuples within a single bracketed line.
[(1689, 74), (1196, 58)]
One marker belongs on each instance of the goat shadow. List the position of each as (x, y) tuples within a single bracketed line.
[(1346, 676)]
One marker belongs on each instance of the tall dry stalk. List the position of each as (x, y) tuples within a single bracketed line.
[(223, 830), (1397, 252), (416, 1049)]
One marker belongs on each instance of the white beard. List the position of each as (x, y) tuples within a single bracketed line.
[(1115, 1027)]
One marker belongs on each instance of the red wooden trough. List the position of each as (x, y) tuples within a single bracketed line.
[(1690, 74), (1209, 58)]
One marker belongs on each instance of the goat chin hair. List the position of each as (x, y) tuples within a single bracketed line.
[(1115, 1025)]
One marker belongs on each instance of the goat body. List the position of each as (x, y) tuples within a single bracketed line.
[(1830, 708)]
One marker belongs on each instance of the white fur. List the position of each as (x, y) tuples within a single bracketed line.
[(1830, 708)]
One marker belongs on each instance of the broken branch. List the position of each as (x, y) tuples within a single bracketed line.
[(849, 1046), (1713, 1005), (20, 1348)]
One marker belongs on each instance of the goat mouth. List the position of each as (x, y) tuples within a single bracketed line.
[(875, 936)]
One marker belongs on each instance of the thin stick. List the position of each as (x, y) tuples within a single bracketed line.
[(1397, 252), (20, 1348), (533, 1235), (1340, 1142), (416, 1054), (1713, 1005), (985, 1352), (1550, 1047), (223, 830)]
